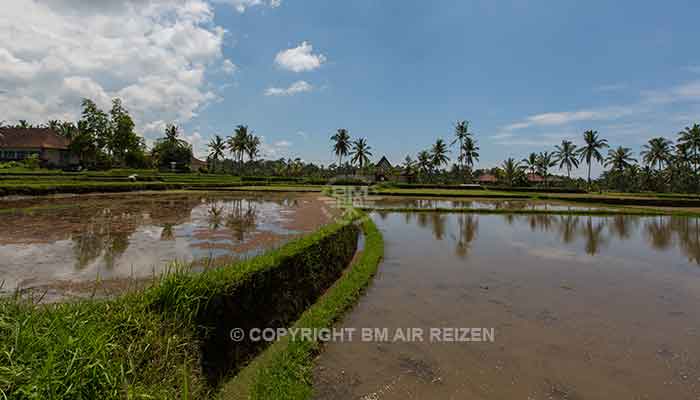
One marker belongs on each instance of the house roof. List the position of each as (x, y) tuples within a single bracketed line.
[(488, 178), (197, 162), (383, 163), (534, 177), (32, 138)]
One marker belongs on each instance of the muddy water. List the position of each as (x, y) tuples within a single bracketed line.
[(581, 307), (64, 246)]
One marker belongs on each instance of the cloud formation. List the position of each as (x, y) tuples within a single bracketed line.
[(242, 5), (300, 58), (153, 54), (294, 88)]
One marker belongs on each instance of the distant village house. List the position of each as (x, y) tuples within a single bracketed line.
[(17, 144)]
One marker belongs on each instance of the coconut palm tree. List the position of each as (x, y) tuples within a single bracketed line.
[(360, 152), (237, 144), (566, 156), (252, 146), (341, 147), (691, 137), (530, 163), (591, 150), (657, 152), (438, 153), (217, 146), (511, 169), (461, 134), (544, 162), (425, 165), (619, 159), (469, 152), (172, 136)]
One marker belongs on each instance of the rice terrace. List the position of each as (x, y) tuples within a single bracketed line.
[(265, 199)]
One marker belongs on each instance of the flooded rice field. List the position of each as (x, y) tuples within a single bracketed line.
[(475, 203), (581, 307), (79, 245)]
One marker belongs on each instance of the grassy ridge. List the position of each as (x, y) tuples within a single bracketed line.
[(149, 344), (284, 370)]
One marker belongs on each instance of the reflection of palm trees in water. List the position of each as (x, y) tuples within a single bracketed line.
[(468, 228), (568, 228), (593, 233), (622, 225), (168, 232), (241, 219), (438, 223), (660, 233), (215, 216), (105, 234)]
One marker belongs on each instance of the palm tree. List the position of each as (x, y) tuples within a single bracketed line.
[(438, 154), (657, 152), (425, 164), (591, 150), (237, 144), (469, 152), (691, 138), (341, 147), (511, 169), (172, 135), (217, 146), (530, 163), (619, 159), (252, 147), (544, 162), (566, 156), (360, 152), (461, 134)]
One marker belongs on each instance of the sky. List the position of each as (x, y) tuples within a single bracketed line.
[(525, 73)]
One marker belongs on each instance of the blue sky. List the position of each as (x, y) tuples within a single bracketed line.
[(400, 73)]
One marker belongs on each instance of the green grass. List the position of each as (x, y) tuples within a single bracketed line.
[(284, 370), (93, 349), (147, 344)]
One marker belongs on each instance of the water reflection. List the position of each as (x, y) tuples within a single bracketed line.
[(595, 233), (78, 239)]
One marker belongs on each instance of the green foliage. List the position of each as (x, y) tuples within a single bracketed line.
[(284, 370), (172, 149)]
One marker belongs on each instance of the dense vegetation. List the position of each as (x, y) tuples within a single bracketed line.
[(107, 140)]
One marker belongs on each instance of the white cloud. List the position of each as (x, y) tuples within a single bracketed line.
[(228, 67), (294, 88), (566, 117), (300, 58), (282, 143), (154, 54), (303, 135), (612, 87), (242, 5)]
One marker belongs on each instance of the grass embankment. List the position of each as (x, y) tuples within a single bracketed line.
[(167, 341), (588, 198), (43, 183), (284, 370)]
